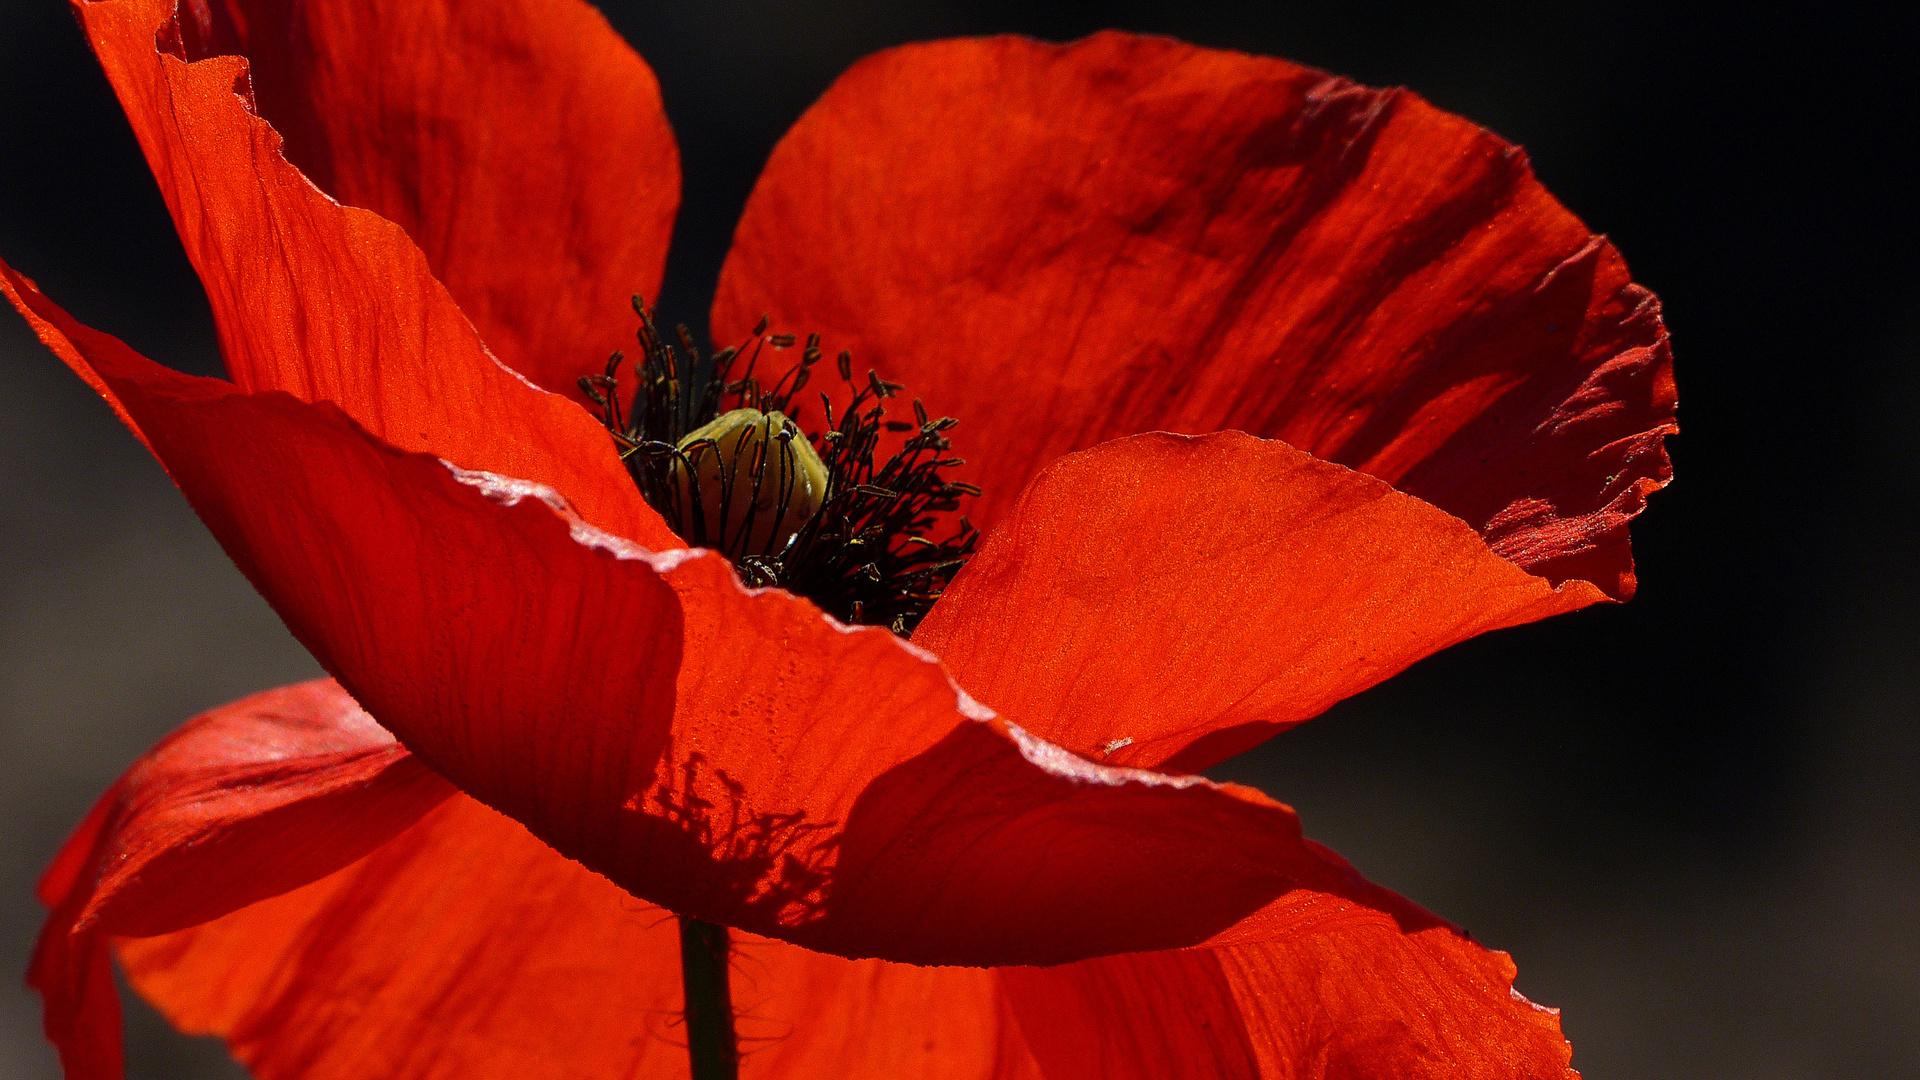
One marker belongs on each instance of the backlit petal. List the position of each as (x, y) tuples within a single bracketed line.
[(245, 802), (1174, 600), (332, 302), (726, 753), (1062, 245), (1331, 991), (520, 143), (465, 947)]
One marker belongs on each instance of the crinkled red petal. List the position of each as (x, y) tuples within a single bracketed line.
[(1177, 600), (1063, 245), (1327, 991), (335, 303), (465, 947), (521, 143), (243, 803), (726, 753)]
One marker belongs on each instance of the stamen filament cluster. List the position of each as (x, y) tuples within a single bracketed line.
[(862, 549)]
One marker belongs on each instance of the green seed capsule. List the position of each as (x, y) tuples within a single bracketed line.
[(754, 480)]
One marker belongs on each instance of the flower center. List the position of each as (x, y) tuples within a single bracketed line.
[(748, 483), (823, 515)]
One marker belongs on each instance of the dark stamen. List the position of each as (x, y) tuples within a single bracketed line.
[(866, 555)]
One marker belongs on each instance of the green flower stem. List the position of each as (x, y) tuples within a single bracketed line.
[(704, 955)]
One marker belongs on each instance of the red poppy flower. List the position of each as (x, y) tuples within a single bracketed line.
[(1434, 402)]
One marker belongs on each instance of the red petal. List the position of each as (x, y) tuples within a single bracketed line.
[(808, 1014), (334, 303), (465, 947), (726, 753), (1275, 584), (1335, 992), (245, 802), (1062, 245), (520, 143)]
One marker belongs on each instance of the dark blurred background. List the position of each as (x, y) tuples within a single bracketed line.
[(1692, 819)]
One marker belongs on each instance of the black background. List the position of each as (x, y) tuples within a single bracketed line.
[(1692, 819)]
